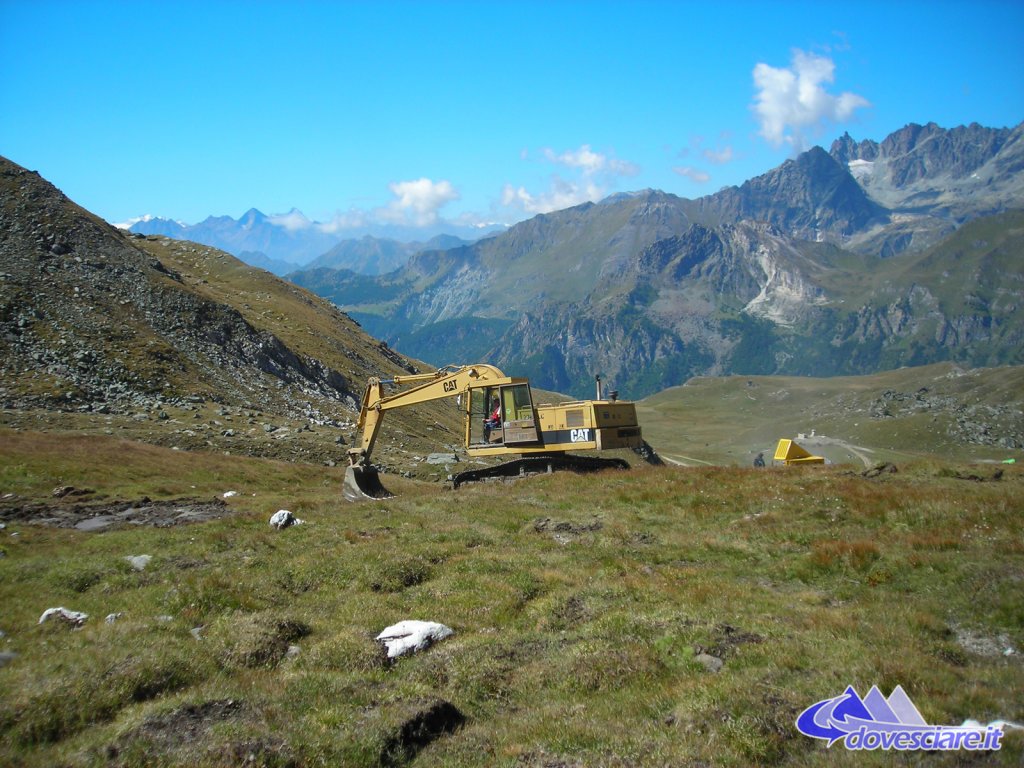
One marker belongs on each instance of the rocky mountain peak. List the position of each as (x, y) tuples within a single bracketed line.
[(252, 218), (917, 152), (812, 197), (846, 150)]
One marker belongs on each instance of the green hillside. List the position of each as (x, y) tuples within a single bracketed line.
[(660, 616), (939, 410)]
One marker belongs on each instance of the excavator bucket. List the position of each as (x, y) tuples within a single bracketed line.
[(789, 452), (363, 482)]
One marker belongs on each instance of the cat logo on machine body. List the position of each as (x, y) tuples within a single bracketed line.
[(579, 435)]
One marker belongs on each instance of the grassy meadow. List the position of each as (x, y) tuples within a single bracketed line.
[(908, 414), (584, 611)]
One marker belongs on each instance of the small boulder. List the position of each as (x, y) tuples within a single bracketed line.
[(412, 635), (139, 562), (710, 663), (74, 618), (284, 519), (442, 458)]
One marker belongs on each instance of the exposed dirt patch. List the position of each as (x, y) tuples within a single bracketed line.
[(99, 516), (541, 759), (725, 640), (184, 731), (996, 476), (545, 524), (985, 644), (422, 724), (564, 531), (256, 640), (185, 725)]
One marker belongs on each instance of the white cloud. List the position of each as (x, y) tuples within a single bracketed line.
[(693, 174), (589, 177), (341, 221), (792, 104), (417, 202), (718, 156), (292, 221), (560, 195), (591, 163)]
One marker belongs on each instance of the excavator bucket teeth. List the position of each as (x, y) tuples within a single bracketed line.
[(364, 483)]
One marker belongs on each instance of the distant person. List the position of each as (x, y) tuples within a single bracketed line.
[(493, 421), (759, 460)]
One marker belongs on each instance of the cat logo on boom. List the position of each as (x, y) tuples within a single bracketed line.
[(579, 436), (451, 386)]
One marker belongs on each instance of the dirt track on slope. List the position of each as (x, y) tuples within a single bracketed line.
[(99, 516)]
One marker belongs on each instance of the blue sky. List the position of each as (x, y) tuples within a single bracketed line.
[(469, 111)]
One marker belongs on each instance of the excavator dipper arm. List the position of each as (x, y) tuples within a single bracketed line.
[(361, 478)]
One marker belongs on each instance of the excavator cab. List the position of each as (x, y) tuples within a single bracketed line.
[(516, 423)]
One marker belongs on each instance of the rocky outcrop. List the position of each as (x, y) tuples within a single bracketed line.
[(811, 198), (90, 320), (918, 152), (932, 180), (966, 423)]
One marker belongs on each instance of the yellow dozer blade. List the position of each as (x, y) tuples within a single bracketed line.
[(788, 452)]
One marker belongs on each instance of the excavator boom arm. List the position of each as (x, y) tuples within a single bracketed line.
[(450, 381)]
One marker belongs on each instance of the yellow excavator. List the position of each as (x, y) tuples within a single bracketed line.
[(500, 420)]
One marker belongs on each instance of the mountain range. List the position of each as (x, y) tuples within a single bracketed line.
[(282, 243), (866, 257)]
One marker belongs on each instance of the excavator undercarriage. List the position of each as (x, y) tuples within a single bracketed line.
[(538, 465)]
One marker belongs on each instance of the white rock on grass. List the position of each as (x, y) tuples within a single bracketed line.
[(442, 458), (139, 562), (74, 618), (411, 635), (283, 519), (710, 663)]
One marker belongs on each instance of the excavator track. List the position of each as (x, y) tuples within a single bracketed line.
[(538, 465)]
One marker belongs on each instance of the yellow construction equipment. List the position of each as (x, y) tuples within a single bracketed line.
[(788, 452), (500, 419)]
